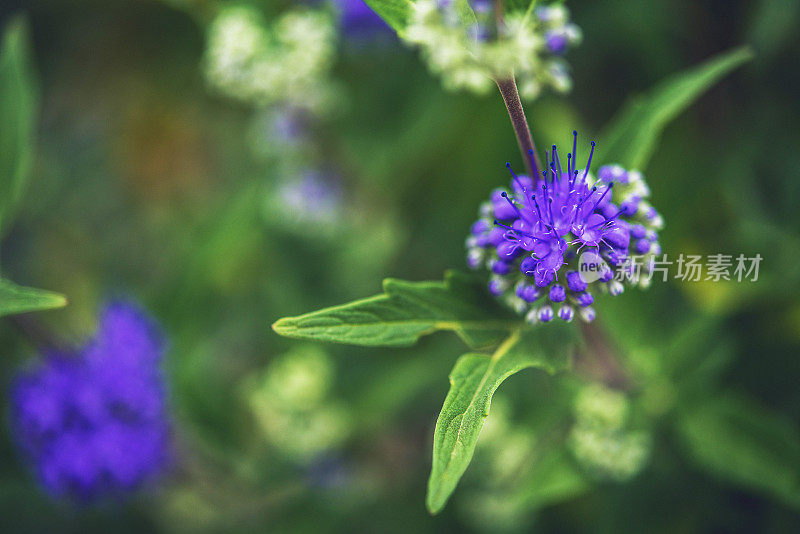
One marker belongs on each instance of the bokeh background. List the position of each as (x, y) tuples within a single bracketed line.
[(150, 184)]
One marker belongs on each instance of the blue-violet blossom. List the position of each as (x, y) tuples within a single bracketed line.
[(358, 19), (94, 422), (530, 237)]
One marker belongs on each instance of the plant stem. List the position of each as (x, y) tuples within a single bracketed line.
[(508, 90), (510, 94), (498, 13), (599, 360)]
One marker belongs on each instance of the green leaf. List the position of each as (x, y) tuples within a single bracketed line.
[(738, 440), (16, 299), (394, 12), (18, 105), (405, 312), (526, 6), (630, 138), (465, 13), (473, 381)]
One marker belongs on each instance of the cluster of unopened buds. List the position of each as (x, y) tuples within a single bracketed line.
[(550, 242), (470, 47)]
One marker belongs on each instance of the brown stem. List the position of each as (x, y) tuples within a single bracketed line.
[(599, 358), (498, 13), (508, 89)]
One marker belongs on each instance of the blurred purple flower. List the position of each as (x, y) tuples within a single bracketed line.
[(315, 197), (94, 422), (289, 125), (358, 19), (557, 41)]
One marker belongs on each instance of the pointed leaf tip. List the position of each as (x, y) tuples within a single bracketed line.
[(631, 136), (473, 381), (15, 299), (405, 312)]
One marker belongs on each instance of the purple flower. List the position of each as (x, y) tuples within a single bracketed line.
[(94, 422), (538, 231), (559, 34), (314, 197), (358, 19), (557, 41), (289, 125)]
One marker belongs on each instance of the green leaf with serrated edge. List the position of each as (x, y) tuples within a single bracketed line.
[(16, 299), (631, 136), (473, 381), (18, 103), (394, 12), (405, 312), (738, 440)]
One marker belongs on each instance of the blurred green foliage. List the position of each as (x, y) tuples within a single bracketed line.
[(145, 183), (18, 97), (18, 108)]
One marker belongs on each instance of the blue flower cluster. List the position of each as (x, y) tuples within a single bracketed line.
[(531, 237), (94, 422)]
